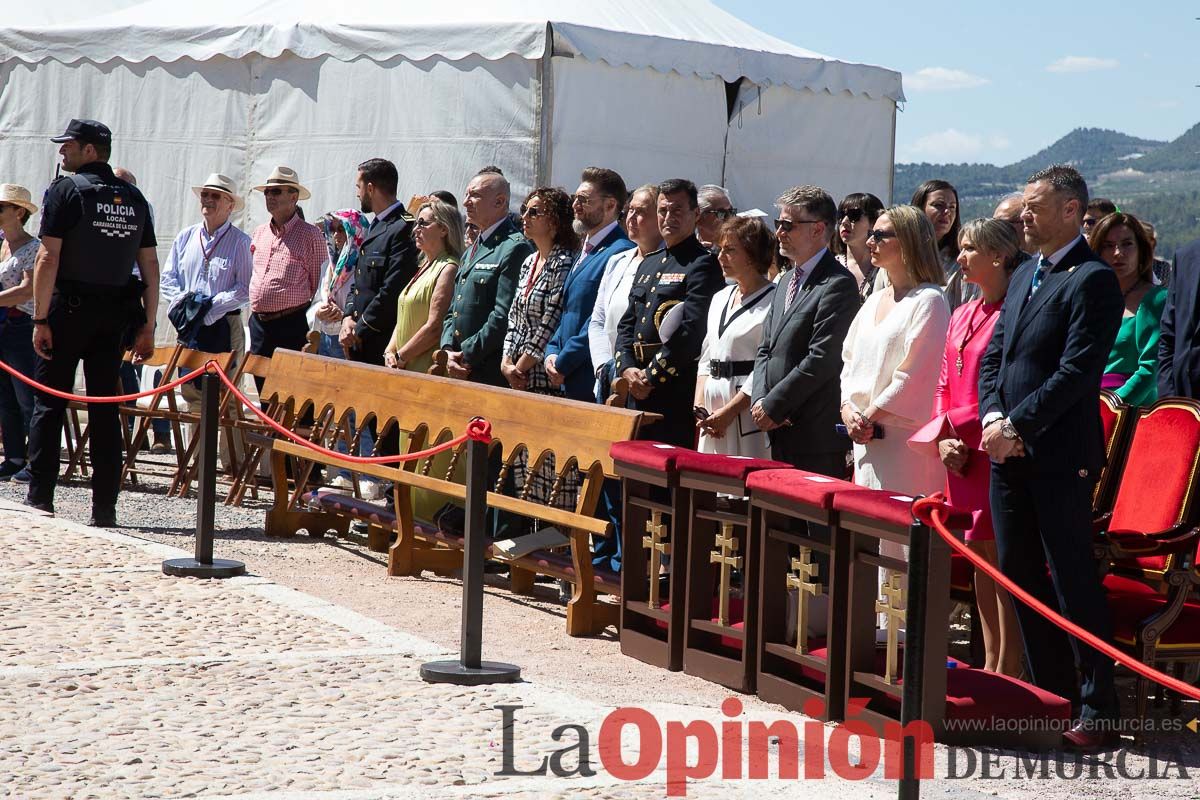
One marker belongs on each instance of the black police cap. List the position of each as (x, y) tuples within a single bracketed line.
[(85, 131)]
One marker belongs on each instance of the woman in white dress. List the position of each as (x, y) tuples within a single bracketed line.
[(892, 356), (735, 322)]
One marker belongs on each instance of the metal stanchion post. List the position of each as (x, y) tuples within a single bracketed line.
[(469, 669), (913, 691), (204, 565)]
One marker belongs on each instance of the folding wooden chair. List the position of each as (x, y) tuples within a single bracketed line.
[(255, 436)]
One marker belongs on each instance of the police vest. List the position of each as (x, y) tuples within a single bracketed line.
[(102, 248)]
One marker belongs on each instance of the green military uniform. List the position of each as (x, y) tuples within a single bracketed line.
[(484, 289), (687, 275)]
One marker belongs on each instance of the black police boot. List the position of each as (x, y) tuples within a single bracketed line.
[(103, 518)]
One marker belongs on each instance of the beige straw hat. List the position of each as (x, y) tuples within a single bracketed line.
[(286, 177), (18, 196), (220, 183)]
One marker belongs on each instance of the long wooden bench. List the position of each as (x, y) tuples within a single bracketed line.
[(429, 409)]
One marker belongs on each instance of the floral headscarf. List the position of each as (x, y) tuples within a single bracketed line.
[(355, 225)]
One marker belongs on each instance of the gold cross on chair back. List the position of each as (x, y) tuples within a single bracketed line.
[(803, 571), (728, 546), (893, 611), (659, 545)]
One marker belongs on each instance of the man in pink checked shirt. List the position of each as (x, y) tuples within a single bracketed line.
[(289, 258)]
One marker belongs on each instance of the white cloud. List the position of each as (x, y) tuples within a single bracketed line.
[(1082, 64), (953, 145), (937, 79)]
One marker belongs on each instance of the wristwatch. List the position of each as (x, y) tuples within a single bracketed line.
[(39, 321), (1007, 430)]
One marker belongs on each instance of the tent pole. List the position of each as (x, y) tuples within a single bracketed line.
[(544, 164), (892, 171)]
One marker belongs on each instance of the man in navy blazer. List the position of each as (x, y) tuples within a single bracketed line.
[(1179, 345), (597, 203), (1039, 384)]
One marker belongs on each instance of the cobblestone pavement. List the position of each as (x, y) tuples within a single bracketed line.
[(117, 681)]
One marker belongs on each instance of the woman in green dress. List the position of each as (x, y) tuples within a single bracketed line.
[(423, 303), (1132, 371)]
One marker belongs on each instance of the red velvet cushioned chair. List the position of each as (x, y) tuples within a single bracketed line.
[(1151, 533), (1118, 420), (720, 647), (653, 527), (795, 526)]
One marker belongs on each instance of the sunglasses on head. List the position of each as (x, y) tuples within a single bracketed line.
[(879, 236), (786, 225), (852, 214)]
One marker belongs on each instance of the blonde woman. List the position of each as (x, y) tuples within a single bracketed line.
[(422, 305)]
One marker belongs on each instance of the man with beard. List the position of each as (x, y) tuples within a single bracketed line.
[(597, 204)]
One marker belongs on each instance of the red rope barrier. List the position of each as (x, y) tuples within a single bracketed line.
[(927, 511), (118, 398), (477, 429)]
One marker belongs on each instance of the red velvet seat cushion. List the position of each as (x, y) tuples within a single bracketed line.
[(807, 488), (980, 695), (1121, 585), (880, 662), (722, 466), (650, 455), (891, 507), (1159, 470), (1129, 610)]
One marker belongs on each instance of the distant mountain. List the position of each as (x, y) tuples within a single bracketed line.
[(1160, 180), (1181, 154)]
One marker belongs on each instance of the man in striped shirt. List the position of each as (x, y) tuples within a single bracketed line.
[(289, 258)]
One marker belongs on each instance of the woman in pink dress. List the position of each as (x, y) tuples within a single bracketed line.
[(989, 252)]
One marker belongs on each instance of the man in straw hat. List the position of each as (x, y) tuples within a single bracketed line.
[(88, 306), (289, 258), (208, 270)]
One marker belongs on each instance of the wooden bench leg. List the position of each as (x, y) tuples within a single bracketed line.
[(586, 616), (520, 580)]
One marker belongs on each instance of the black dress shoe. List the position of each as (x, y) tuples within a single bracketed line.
[(46, 507), (103, 518), (1088, 735)]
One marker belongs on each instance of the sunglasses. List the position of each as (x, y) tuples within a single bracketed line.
[(4, 206), (277, 191), (879, 236), (720, 213), (853, 214), (424, 223), (786, 225), (532, 213)]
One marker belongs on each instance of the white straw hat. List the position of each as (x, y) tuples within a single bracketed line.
[(285, 177), (217, 182)]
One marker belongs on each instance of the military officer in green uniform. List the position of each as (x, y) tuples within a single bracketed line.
[(660, 336), (473, 334)]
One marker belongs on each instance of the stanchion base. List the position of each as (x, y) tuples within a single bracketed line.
[(191, 568), (454, 672)]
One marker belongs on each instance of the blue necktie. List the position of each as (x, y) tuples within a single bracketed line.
[(1039, 274)]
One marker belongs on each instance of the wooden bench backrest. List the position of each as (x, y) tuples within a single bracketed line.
[(444, 406)]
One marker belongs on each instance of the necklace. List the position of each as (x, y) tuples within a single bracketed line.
[(972, 329), (1128, 291)]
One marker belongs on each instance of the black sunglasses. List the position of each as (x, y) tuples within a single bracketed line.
[(532, 213), (786, 225), (852, 214), (424, 223), (880, 236), (276, 190)]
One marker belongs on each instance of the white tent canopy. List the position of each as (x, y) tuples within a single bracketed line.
[(541, 88)]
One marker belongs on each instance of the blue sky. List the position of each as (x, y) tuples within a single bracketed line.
[(996, 82)]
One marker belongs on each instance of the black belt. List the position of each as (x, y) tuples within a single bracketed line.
[(269, 316), (644, 352), (729, 369), (78, 289)]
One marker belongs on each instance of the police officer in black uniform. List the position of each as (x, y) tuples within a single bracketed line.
[(660, 336), (89, 307)]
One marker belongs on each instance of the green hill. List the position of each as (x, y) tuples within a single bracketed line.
[(1158, 180)]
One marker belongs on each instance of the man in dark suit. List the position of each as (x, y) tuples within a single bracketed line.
[(597, 203), (387, 261), (796, 387), (659, 338), (1179, 344), (1038, 387), (473, 335)]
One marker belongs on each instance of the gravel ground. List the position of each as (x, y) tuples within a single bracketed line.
[(345, 573)]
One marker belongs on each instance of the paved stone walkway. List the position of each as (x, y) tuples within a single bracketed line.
[(117, 681)]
